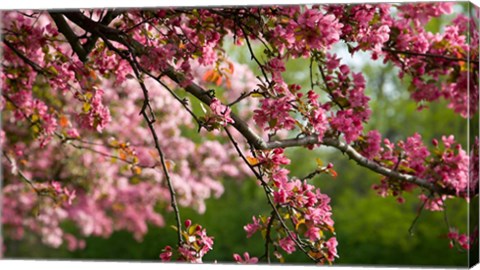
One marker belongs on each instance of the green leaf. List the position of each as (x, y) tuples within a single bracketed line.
[(192, 229), (52, 70), (86, 107), (406, 169)]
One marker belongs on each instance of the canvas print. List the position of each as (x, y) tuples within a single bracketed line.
[(329, 134)]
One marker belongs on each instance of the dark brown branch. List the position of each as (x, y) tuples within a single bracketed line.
[(29, 62), (102, 30), (138, 48), (240, 153), (63, 27), (109, 17)]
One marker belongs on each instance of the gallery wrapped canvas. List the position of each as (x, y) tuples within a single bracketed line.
[(328, 134)]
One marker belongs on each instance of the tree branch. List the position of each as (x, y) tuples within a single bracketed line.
[(361, 160), (69, 35), (109, 17), (173, 199), (27, 61)]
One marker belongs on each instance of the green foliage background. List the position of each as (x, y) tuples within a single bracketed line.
[(370, 230)]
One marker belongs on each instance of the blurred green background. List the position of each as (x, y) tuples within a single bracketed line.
[(370, 230)]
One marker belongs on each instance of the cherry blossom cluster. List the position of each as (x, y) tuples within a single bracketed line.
[(221, 114), (348, 93), (298, 202), (364, 27), (23, 210), (195, 244), (446, 166), (298, 31), (452, 42), (125, 186), (424, 56)]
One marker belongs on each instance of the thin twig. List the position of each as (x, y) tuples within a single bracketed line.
[(415, 220), (182, 101), (243, 96), (268, 239), (312, 174), (324, 78), (20, 173), (254, 57), (311, 73), (173, 199), (80, 147)]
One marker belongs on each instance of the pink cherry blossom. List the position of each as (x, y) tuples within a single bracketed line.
[(287, 244), (222, 111), (246, 258)]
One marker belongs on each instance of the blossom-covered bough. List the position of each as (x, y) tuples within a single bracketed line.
[(96, 128)]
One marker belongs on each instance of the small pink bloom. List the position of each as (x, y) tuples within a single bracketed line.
[(252, 228), (73, 133), (331, 245), (70, 195), (166, 255), (222, 111), (246, 260), (56, 186), (287, 244), (313, 233)]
